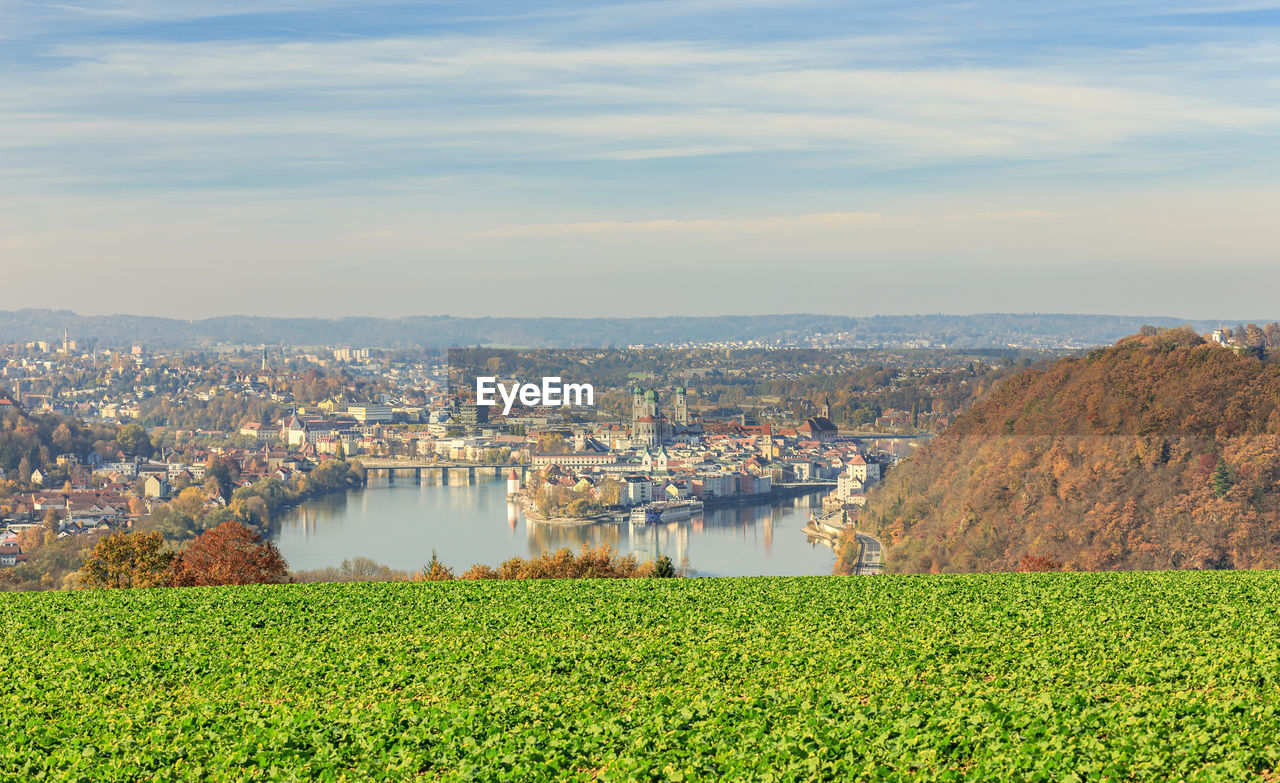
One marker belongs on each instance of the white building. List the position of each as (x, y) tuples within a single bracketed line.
[(639, 490), (868, 472), (579, 459), (366, 414)]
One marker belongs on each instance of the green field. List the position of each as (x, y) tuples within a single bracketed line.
[(1018, 676)]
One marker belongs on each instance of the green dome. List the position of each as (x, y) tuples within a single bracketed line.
[(651, 396), (679, 390), (637, 390)]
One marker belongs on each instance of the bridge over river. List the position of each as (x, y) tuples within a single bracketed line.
[(437, 472)]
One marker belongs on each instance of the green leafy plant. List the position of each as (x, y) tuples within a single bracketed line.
[(1034, 676)]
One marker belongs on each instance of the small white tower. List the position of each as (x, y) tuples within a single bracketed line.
[(513, 482)]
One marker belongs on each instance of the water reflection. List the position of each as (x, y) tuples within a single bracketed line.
[(401, 523)]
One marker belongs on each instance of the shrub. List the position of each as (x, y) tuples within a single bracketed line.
[(1038, 563)]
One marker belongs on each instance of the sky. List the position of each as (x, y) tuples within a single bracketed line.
[(651, 157)]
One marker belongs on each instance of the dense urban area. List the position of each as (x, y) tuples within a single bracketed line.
[(177, 442)]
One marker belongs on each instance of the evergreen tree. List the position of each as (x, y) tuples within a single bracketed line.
[(1221, 478), (663, 568)]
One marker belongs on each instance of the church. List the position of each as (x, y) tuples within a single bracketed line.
[(649, 426)]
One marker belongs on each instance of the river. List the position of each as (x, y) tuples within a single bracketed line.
[(399, 524)]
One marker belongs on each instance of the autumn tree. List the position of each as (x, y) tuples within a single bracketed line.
[(190, 501), (1030, 564), (230, 554), (611, 492), (434, 571), (127, 560), (62, 437), (551, 443), (52, 526)]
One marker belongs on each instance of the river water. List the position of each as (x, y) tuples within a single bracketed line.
[(400, 523)]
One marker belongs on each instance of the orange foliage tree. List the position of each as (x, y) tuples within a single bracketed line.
[(230, 554)]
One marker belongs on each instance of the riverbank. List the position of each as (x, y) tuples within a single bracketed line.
[(775, 495), (531, 513), (778, 493)]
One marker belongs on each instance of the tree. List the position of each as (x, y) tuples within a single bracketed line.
[(610, 492), (435, 570), (230, 554), (62, 437), (663, 568), (551, 443), (220, 475), (135, 441), (127, 560), (50, 526), (190, 501), (1221, 479)]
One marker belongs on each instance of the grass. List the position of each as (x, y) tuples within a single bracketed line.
[(1016, 676)]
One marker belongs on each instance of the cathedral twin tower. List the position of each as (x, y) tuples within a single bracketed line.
[(648, 425)]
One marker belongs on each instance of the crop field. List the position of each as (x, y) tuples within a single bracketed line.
[(1015, 676)]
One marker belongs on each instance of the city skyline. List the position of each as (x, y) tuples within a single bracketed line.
[(644, 158)]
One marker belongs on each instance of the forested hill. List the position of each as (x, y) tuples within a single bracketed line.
[(1162, 451)]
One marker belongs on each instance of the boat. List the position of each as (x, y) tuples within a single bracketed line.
[(664, 511)]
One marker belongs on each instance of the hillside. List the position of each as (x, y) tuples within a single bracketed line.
[(987, 677), (1162, 451)]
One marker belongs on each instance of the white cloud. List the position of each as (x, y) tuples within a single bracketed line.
[(510, 99), (827, 221), (938, 140)]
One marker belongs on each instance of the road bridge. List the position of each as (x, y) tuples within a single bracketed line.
[(436, 472)]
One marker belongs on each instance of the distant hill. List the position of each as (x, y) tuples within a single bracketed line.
[(1162, 451), (958, 331)]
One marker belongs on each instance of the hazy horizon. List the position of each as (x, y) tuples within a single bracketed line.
[(1227, 320)]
